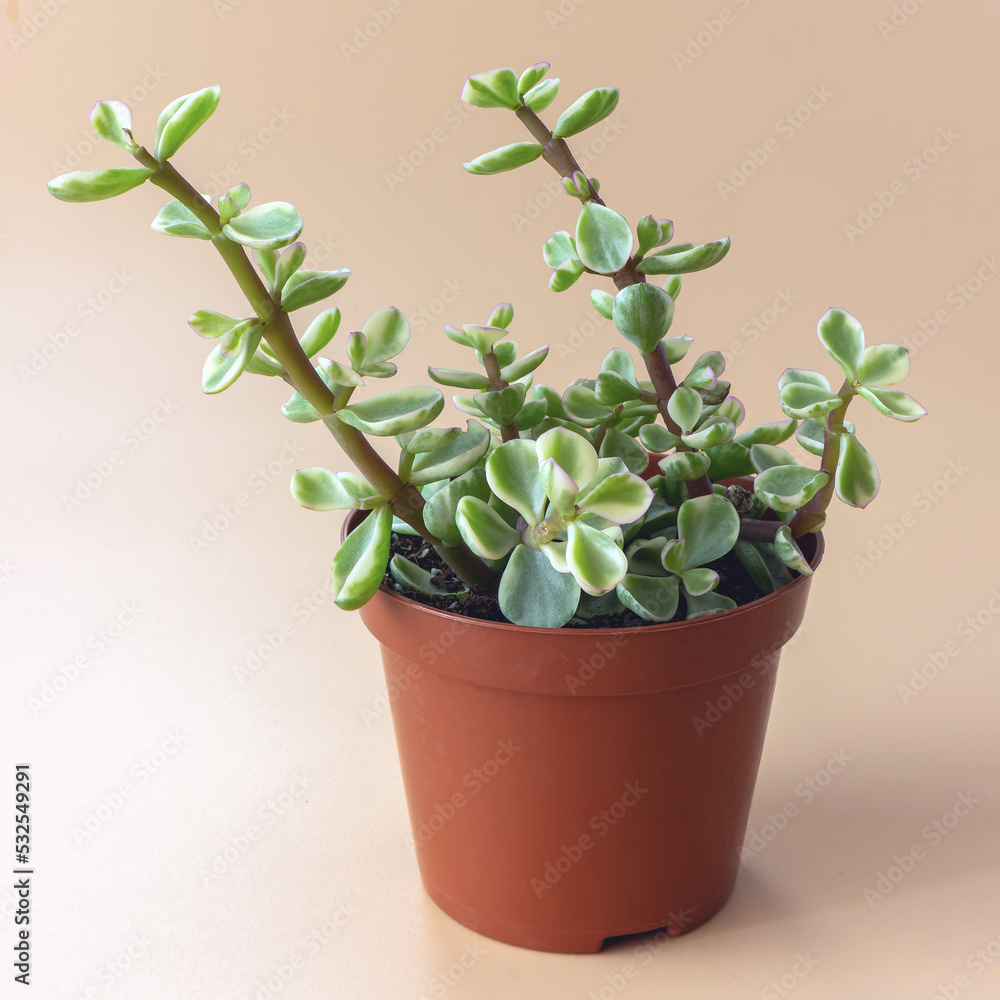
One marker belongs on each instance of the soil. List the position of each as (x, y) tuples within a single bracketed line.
[(734, 582)]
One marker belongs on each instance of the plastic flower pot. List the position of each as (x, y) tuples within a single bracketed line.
[(565, 786)]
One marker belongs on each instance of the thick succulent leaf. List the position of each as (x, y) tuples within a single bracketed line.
[(212, 325), (707, 604), (857, 479), (842, 336), (733, 410), (773, 433), (656, 438), (360, 563), (612, 389), (175, 219), (884, 364), (267, 262), (787, 487), (505, 352), (559, 487), (496, 88), (654, 598), (509, 157), (320, 489), (220, 371), (180, 119), (386, 334), (699, 581), (483, 338), (523, 366), (394, 412), (451, 459), (512, 472), (685, 407), (565, 275), (790, 375), (709, 527), (483, 529), (264, 364), (501, 316), (603, 239), (766, 456), (266, 227), (288, 263), (411, 576), (642, 314), (440, 509), (685, 466), (676, 348), (812, 436), (502, 405), (320, 332), (240, 193), (712, 433), (620, 498), (789, 553), (534, 593), (530, 415), (749, 555), (596, 562), (228, 210), (603, 302), (96, 185), (652, 232), (427, 439), (339, 374), (306, 287), (588, 110), (729, 461), (580, 403), (684, 258), (894, 404), (113, 122), (802, 401), (575, 455), (542, 94), (299, 410), (618, 444), (459, 379), (532, 75)]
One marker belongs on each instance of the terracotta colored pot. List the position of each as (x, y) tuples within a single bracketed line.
[(569, 785)]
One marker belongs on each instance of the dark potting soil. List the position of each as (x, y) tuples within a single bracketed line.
[(734, 582)]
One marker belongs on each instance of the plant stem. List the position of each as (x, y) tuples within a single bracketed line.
[(508, 432), (404, 498)]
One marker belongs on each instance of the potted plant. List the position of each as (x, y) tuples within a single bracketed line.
[(582, 595)]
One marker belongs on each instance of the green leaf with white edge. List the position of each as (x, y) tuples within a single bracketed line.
[(439, 510), (456, 457), (532, 75), (264, 364), (773, 433), (732, 409), (212, 325), (618, 444), (559, 487), (620, 363), (787, 487), (502, 315), (645, 557), (320, 332), (228, 210), (113, 121), (767, 456), (844, 339), (240, 193), (288, 263), (496, 88), (482, 338), (789, 553), (379, 369), (542, 94), (512, 472), (501, 405), (709, 527), (523, 366), (701, 606), (96, 185), (412, 577), (299, 410), (483, 529), (180, 119), (306, 287), (754, 564), (891, 403), (684, 258), (340, 374), (603, 239), (684, 407), (267, 262), (220, 372), (802, 401), (357, 348), (672, 286), (728, 461), (459, 379), (812, 436), (792, 375), (565, 275), (360, 563), (586, 111), (575, 455), (656, 438), (652, 232), (394, 412), (505, 351), (427, 439), (642, 314), (884, 364), (530, 416), (685, 466), (857, 478), (612, 389), (676, 348), (654, 598), (580, 403), (603, 302), (620, 498), (509, 157), (711, 433), (230, 343), (534, 593), (265, 227), (320, 489), (595, 561), (699, 581)]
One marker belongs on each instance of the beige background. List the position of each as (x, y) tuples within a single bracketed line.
[(163, 745)]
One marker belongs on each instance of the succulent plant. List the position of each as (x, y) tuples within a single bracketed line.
[(615, 495)]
